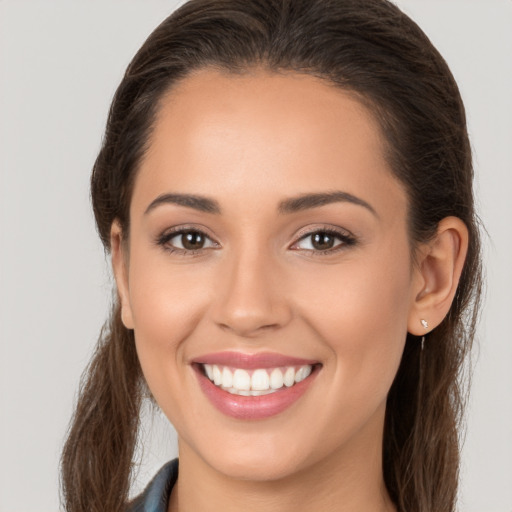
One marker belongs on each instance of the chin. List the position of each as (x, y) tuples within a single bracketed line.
[(256, 468), (260, 460)]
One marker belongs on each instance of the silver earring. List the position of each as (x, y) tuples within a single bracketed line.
[(424, 323)]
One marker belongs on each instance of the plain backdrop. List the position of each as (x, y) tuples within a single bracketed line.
[(60, 62)]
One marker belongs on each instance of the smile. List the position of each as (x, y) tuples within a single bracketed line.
[(253, 386), (258, 382)]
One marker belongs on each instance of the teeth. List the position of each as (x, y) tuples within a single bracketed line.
[(289, 377), (235, 391), (217, 376), (227, 378), (260, 382), (260, 393), (209, 371), (276, 379), (302, 373), (241, 380)]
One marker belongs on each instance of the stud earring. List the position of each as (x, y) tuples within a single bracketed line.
[(424, 323)]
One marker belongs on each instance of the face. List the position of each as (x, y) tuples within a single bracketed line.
[(268, 252)]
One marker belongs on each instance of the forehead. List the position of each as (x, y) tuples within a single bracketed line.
[(258, 136)]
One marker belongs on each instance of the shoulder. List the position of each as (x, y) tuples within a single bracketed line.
[(155, 496)]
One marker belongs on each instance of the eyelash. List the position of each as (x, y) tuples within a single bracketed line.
[(346, 239)]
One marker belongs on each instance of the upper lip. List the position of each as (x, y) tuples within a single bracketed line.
[(251, 361)]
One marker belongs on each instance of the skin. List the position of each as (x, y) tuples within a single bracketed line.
[(249, 142)]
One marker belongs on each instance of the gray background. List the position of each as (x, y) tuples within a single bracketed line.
[(60, 62)]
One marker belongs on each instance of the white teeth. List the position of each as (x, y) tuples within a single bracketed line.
[(302, 373), (241, 380), (217, 375), (257, 393), (235, 391), (227, 378), (261, 382), (276, 379), (209, 371), (289, 377)]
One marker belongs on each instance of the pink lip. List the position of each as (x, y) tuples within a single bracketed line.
[(253, 407), (251, 361)]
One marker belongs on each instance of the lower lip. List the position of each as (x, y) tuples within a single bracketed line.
[(253, 407)]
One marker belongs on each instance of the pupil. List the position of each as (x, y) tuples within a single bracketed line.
[(322, 241), (192, 240)]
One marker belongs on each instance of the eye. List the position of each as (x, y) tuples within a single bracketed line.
[(324, 241), (186, 241)]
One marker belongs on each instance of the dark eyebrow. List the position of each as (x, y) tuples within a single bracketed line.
[(203, 204), (291, 205), (306, 201)]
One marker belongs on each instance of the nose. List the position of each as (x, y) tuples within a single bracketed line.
[(251, 298)]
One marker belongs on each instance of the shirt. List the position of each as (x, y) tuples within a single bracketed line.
[(156, 495)]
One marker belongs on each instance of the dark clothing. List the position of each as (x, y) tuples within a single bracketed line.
[(156, 495)]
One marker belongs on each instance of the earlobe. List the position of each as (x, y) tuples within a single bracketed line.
[(120, 269), (439, 272)]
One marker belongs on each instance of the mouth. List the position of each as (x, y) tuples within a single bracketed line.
[(254, 386), (258, 382)]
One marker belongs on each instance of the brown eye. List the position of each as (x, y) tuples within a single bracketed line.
[(186, 241), (192, 240), (322, 241)]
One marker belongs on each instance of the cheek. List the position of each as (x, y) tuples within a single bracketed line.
[(359, 311), (166, 297), (167, 305)]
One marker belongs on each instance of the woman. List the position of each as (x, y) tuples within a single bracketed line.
[(286, 191)]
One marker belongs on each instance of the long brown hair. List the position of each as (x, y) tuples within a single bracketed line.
[(368, 47)]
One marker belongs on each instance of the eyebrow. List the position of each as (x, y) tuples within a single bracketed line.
[(307, 201), (287, 206), (201, 203)]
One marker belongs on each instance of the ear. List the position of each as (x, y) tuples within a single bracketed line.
[(120, 268), (440, 265)]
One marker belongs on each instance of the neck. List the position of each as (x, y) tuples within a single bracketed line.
[(349, 480)]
